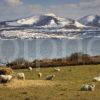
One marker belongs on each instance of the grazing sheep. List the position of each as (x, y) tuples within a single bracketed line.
[(57, 69), (50, 77), (30, 68), (5, 78), (96, 79), (88, 87), (39, 75), (21, 76)]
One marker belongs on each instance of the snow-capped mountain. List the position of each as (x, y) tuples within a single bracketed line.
[(20, 22), (47, 20), (51, 20), (49, 26), (91, 20)]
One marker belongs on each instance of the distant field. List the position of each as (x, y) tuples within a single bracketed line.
[(65, 86)]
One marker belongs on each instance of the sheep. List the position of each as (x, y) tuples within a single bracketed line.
[(50, 77), (88, 87), (5, 78), (21, 76), (39, 74), (30, 68), (57, 69), (96, 79)]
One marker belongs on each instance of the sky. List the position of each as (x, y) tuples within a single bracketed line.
[(13, 9)]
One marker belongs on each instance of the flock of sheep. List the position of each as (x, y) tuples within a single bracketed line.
[(8, 78), (21, 76), (90, 87)]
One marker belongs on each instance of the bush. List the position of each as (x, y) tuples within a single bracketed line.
[(5, 71), (18, 61), (74, 59)]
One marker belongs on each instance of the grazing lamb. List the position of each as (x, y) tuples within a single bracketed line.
[(21, 76), (39, 75), (57, 69), (88, 87), (30, 68), (96, 79), (5, 78), (50, 77)]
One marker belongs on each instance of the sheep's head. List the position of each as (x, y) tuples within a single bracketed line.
[(93, 85), (53, 75)]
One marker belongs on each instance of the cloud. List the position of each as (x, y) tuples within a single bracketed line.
[(89, 0), (16, 9), (13, 2), (75, 10)]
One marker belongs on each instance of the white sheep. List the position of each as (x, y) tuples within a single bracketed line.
[(88, 87), (5, 78), (96, 79), (30, 68), (50, 77), (21, 76), (57, 69), (39, 74)]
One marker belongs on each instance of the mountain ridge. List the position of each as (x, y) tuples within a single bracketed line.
[(46, 20), (48, 26), (90, 20)]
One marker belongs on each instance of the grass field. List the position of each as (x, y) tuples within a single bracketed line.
[(65, 86)]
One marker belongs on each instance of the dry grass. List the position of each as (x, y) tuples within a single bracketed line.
[(29, 83), (65, 86)]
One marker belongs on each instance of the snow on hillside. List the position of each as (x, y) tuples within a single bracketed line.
[(48, 26), (51, 20), (28, 21), (46, 20), (77, 24), (91, 20)]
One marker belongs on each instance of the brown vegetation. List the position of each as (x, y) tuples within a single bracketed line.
[(73, 59), (27, 83), (5, 71)]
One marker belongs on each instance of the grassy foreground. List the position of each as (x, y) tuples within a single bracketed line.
[(66, 85)]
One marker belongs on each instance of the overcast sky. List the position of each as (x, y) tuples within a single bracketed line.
[(12, 9)]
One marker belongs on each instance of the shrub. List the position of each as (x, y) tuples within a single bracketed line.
[(5, 71), (74, 59), (18, 61)]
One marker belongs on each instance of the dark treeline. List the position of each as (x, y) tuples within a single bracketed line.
[(72, 60)]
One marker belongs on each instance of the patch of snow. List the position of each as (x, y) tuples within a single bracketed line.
[(99, 21), (90, 18), (28, 21), (77, 24), (50, 14)]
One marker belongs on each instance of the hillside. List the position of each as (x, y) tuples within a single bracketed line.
[(66, 84), (50, 26), (91, 20)]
